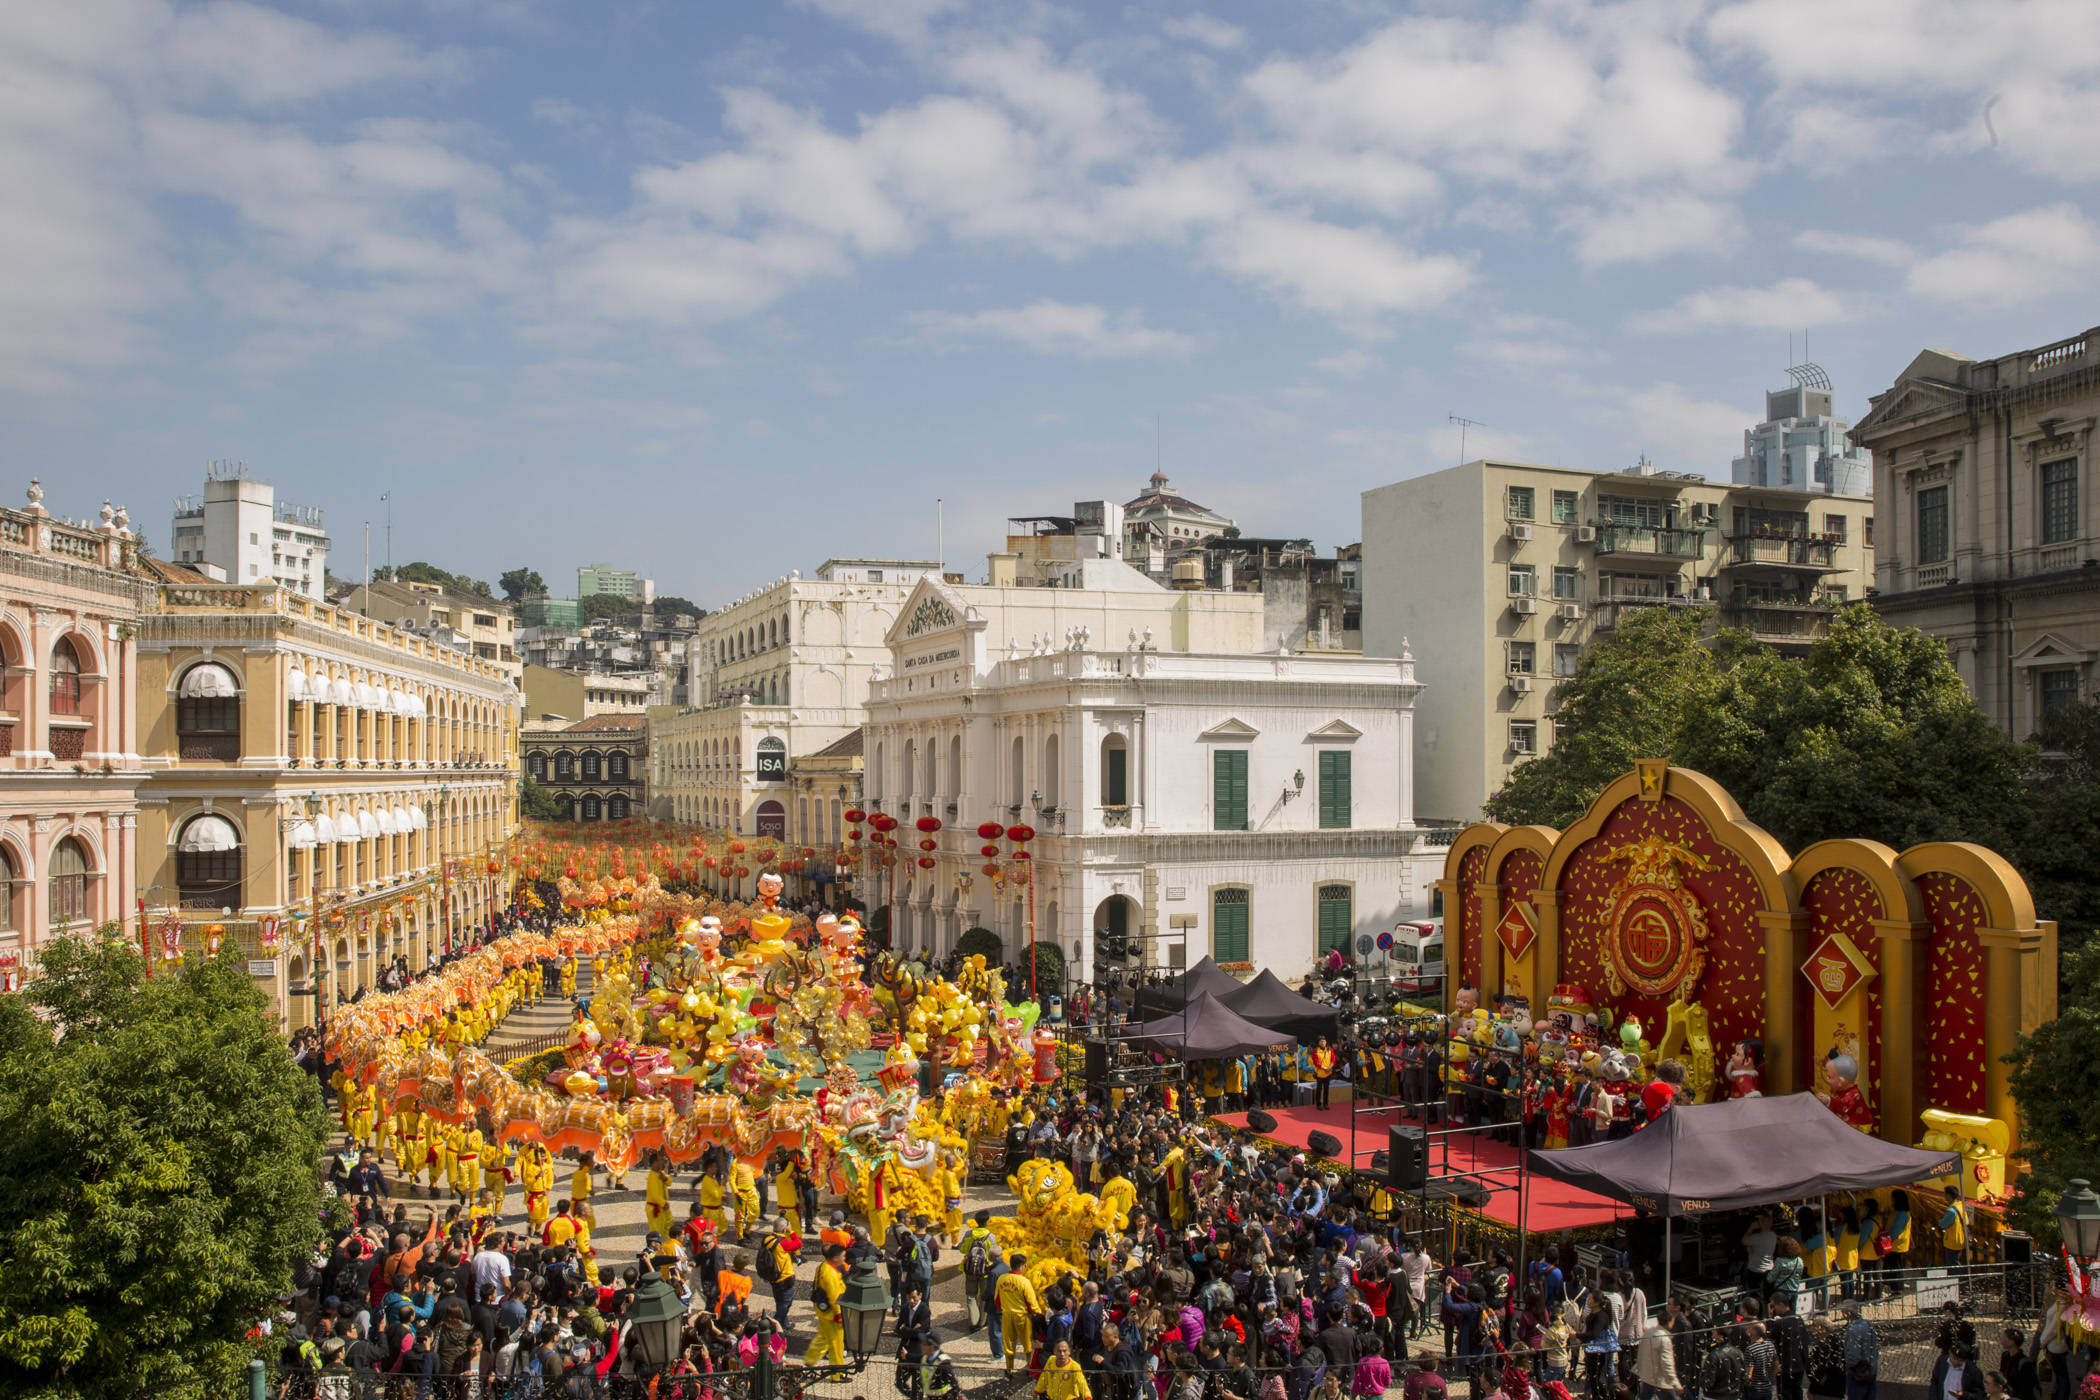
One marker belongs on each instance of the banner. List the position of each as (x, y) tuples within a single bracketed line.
[(272, 932)]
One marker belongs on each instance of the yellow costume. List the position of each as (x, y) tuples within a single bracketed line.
[(711, 1199), (952, 1197), (744, 1183), (1175, 1168), (580, 1185), (830, 1341), (536, 1172), (1063, 1380), (1018, 1304), (657, 1205)]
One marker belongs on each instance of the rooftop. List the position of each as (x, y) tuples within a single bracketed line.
[(597, 723), (850, 746)]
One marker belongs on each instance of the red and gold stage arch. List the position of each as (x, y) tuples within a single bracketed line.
[(1925, 965)]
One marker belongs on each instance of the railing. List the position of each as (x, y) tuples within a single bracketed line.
[(65, 694), (1816, 552), (1930, 575), (1118, 817), (14, 532), (1650, 539), (2059, 353), (2063, 556), (208, 748)]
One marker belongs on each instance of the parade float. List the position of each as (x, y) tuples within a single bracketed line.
[(753, 1031), (1666, 927)]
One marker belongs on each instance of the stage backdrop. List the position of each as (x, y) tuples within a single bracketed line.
[(1923, 965)]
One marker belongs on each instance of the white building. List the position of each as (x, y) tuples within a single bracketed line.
[(1191, 793), (236, 532), (1801, 446), (594, 579), (774, 676), (1161, 520)]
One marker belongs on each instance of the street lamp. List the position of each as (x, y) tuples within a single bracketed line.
[(2078, 1220), (866, 1305), (656, 1323)]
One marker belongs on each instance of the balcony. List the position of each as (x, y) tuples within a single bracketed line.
[(1617, 538), (1610, 609), (1816, 554), (208, 748), (1781, 619)]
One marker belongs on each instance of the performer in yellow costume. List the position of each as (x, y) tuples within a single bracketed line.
[(1018, 1304), (711, 1197), (1175, 1169), (412, 1144), (466, 1165), (952, 1197), (824, 1294), (657, 1199), (536, 1174), (743, 1183)]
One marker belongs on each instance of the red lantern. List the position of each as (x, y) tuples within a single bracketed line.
[(929, 824), (736, 848), (988, 849), (990, 831), (710, 862), (929, 844), (1022, 855), (855, 815), (925, 862), (991, 869), (854, 834), (743, 872), (809, 853), (1020, 835), (883, 821)]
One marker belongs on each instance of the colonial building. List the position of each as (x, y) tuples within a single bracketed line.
[(69, 772), (1160, 519), (773, 677), (596, 768), (827, 785), (1990, 538), (302, 757), (1501, 573), (1191, 792), (559, 695), (467, 621)]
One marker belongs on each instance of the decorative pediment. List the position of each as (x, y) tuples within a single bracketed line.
[(1336, 731), (1910, 399), (932, 607), (1232, 730), (2052, 649)]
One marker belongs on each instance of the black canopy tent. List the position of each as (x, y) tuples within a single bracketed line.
[(1746, 1152), (1266, 1001), (1205, 976), (1210, 1030)]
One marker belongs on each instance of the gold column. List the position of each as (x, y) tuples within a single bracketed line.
[(1905, 1054), (1490, 946), (1454, 917), (2007, 954), (1783, 930), (1545, 952)]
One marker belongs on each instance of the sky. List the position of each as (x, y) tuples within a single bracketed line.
[(717, 291)]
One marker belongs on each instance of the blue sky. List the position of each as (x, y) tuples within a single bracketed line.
[(717, 290)]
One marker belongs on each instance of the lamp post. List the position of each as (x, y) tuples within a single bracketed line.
[(2078, 1221), (313, 812), (444, 867), (656, 1324)]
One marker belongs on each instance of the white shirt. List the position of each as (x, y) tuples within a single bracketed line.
[(1759, 1245), (1956, 1374), (491, 1267)]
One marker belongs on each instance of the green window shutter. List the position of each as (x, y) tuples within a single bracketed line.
[(1335, 806), (1229, 790), (1337, 917), (1229, 940)]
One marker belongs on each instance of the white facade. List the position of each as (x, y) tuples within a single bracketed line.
[(1162, 516), (1801, 446), (1171, 770), (241, 534)]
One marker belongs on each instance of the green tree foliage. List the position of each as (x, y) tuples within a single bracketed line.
[(536, 802), (1049, 973), (2063, 815), (981, 942), (520, 584), (598, 606), (159, 1175), (670, 605), (2056, 1078), (424, 572)]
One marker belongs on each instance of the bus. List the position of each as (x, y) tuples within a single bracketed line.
[(1416, 959)]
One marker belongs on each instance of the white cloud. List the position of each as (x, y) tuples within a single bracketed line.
[(1349, 364), (1058, 328), (2050, 251), (1356, 275), (1675, 428), (1645, 229), (896, 19), (1793, 302), (1891, 252), (1207, 30), (267, 58)]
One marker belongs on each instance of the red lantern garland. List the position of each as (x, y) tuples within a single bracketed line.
[(990, 831), (855, 816)]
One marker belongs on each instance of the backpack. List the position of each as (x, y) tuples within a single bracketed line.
[(771, 1249), (918, 1258), (978, 1262)]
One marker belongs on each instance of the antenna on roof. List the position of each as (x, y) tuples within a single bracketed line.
[(1463, 424)]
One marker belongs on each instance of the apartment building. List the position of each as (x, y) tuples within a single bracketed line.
[(1499, 574), (1991, 538), (236, 531), (467, 621)]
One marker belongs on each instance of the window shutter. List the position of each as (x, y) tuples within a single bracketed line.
[(1335, 803), (1229, 790), (1229, 941), (1336, 917)]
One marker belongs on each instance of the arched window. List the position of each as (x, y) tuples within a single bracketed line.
[(954, 767), (11, 876), (1018, 778), (69, 872), (68, 735), (772, 761), (616, 768), (590, 765), (208, 714), (539, 767), (771, 819), (911, 769), (589, 807), (1050, 771), (565, 767), (208, 863), (567, 805), (616, 808)]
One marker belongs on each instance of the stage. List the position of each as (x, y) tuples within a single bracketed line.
[(1548, 1205)]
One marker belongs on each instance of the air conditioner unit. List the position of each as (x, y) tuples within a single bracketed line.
[(1587, 534), (1571, 612), (1520, 745), (1524, 607), (1520, 684), (1519, 530)]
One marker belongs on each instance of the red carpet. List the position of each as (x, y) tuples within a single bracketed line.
[(1548, 1205)]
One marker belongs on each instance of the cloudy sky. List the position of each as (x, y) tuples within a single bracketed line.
[(721, 289)]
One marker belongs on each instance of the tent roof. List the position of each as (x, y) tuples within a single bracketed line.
[(1213, 1031), (1205, 976), (1745, 1152), (1266, 1001)]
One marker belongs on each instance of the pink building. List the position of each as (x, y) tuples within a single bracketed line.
[(70, 599)]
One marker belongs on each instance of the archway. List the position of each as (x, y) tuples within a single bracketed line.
[(1115, 922), (771, 820)]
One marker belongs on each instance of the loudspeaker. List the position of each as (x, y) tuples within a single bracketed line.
[(1381, 1164), (1261, 1122), (2022, 1289), (1407, 1148), (1324, 1144), (1096, 1062)]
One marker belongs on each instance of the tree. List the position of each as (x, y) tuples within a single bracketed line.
[(670, 605), (536, 802), (2063, 823), (160, 1174), (979, 941), (422, 571), (598, 606), (2056, 1078), (520, 584)]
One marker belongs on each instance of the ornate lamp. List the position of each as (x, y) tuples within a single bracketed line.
[(2078, 1219), (866, 1305), (656, 1323)]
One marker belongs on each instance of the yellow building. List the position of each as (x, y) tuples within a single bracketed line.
[(297, 750)]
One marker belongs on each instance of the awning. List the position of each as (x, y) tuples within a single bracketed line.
[(295, 687), (367, 825), (386, 822), (402, 824), (417, 818), (303, 837), (324, 830), (208, 681), (340, 693), (366, 697), (1738, 1154), (208, 833), (396, 702)]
